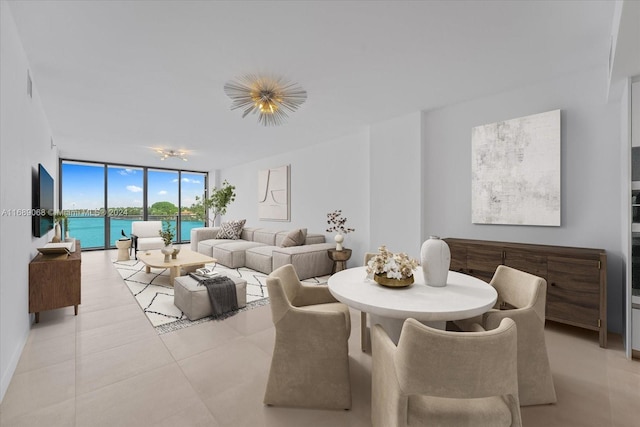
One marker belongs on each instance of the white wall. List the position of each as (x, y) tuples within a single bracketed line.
[(326, 177), (24, 142), (395, 167), (590, 170)]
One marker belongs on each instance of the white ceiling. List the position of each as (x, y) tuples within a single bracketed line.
[(119, 77)]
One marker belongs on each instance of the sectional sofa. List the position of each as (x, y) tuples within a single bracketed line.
[(261, 249)]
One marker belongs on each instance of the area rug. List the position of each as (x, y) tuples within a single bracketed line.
[(154, 294)]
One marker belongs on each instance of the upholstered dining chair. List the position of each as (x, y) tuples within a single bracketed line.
[(310, 364), (364, 335), (443, 378), (522, 297)]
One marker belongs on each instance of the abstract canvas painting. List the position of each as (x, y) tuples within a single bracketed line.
[(515, 171), (273, 194)]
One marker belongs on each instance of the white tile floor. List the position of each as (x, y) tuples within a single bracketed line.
[(108, 367)]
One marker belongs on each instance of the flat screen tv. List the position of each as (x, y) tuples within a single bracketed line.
[(42, 213)]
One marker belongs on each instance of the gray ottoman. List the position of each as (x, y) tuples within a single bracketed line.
[(193, 299)]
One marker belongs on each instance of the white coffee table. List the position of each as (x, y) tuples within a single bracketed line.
[(186, 258), (463, 297)]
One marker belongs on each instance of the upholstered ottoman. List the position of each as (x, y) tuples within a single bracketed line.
[(193, 299)]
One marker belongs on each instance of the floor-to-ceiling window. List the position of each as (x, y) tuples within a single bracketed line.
[(102, 200), (83, 186), (125, 193), (162, 197), (192, 190)]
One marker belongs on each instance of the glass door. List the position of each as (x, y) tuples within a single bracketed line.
[(125, 194), (163, 197), (83, 195), (192, 191)]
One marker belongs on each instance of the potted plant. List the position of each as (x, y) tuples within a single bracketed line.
[(220, 199), (337, 223), (218, 202), (167, 235)]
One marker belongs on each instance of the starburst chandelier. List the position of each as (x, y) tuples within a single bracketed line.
[(267, 96)]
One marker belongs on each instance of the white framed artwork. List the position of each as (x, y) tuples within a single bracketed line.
[(274, 194), (515, 171)]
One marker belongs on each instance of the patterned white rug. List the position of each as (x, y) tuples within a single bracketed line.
[(154, 294)]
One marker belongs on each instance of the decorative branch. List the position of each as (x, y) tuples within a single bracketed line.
[(337, 222)]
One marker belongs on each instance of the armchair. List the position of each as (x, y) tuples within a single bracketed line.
[(144, 236), (310, 364), (442, 378), (522, 297)]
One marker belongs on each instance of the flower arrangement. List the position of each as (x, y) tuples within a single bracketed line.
[(336, 222), (395, 266), (167, 233)]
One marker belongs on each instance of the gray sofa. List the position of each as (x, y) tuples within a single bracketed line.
[(260, 249)]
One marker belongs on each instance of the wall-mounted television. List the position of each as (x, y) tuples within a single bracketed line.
[(42, 213)]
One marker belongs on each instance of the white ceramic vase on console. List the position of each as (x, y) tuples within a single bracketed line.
[(435, 258), (57, 235), (339, 239)]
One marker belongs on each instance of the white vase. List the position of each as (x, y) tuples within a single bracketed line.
[(167, 251), (435, 257), (57, 236), (339, 239), (174, 254)]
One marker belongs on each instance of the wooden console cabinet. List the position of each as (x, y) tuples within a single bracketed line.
[(576, 277), (54, 282)]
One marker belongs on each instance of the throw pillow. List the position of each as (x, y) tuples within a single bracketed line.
[(231, 229), (295, 238)]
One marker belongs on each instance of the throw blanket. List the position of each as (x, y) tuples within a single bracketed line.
[(222, 293)]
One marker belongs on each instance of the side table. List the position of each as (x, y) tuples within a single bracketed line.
[(339, 259), (123, 246)]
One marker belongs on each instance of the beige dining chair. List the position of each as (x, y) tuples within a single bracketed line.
[(310, 363), (522, 297), (442, 378), (364, 332)]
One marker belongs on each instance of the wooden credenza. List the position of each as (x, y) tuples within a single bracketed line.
[(54, 282), (576, 277)]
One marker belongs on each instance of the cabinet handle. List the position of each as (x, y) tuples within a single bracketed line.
[(553, 284)]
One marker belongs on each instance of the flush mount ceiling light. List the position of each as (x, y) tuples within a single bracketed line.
[(267, 96), (165, 154)]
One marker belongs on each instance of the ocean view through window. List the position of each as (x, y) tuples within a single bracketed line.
[(102, 200)]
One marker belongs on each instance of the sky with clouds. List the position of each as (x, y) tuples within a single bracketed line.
[(83, 186)]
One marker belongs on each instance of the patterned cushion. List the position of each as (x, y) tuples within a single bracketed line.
[(231, 229), (295, 238)]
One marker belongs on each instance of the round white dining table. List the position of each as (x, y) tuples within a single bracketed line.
[(463, 297)]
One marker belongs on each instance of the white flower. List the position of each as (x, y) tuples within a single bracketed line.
[(397, 266), (394, 274)]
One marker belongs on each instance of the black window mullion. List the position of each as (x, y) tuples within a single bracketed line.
[(179, 217), (145, 199), (107, 222)]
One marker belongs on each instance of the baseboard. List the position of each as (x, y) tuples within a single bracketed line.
[(7, 375)]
